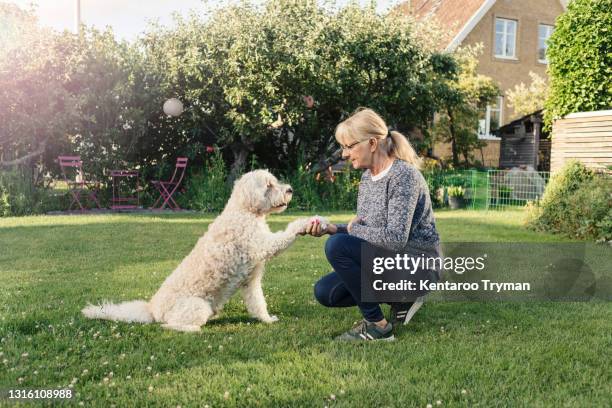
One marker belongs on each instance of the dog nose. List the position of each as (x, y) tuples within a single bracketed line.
[(290, 190)]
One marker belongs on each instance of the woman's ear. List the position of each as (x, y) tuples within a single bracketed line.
[(373, 142)]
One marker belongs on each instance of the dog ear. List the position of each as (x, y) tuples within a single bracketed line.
[(249, 191)]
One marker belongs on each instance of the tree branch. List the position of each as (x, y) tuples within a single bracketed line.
[(40, 150)]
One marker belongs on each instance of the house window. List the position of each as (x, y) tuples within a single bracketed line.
[(490, 118), (505, 38), (544, 32)]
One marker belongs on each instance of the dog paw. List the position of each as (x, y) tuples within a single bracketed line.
[(299, 226), (270, 319)]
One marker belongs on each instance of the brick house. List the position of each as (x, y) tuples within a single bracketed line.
[(513, 33)]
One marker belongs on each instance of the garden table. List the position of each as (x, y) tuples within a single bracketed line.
[(125, 189)]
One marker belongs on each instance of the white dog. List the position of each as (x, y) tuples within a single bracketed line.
[(229, 256)]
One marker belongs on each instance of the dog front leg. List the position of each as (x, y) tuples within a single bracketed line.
[(271, 244), (254, 299)]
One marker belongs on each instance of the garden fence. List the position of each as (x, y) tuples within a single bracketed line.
[(490, 189)]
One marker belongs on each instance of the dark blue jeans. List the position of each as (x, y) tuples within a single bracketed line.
[(342, 287)]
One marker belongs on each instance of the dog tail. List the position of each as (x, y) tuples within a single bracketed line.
[(135, 311)]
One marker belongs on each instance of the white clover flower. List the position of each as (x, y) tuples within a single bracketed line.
[(438, 402), (150, 388), (149, 368), (85, 371), (129, 377), (463, 392), (332, 397), (220, 347), (25, 355), (226, 395)]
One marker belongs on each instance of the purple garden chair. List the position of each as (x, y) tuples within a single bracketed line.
[(168, 188), (78, 187)]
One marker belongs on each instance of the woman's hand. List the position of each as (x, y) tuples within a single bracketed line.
[(315, 228), (355, 220)]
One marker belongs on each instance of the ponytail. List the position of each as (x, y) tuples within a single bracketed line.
[(399, 146)]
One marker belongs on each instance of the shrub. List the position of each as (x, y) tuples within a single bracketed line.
[(5, 205), (589, 210), (576, 202), (19, 196), (317, 192), (208, 190), (580, 60)]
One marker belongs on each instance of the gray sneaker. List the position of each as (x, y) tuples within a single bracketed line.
[(367, 331), (401, 313)]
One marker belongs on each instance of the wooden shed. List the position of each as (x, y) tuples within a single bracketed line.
[(583, 136), (524, 143)]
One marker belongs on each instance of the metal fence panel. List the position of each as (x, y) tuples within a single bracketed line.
[(491, 189)]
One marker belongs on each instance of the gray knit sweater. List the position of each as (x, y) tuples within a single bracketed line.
[(396, 210)]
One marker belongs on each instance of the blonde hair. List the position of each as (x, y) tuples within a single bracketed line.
[(364, 124)]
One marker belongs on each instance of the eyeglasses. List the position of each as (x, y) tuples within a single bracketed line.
[(350, 147)]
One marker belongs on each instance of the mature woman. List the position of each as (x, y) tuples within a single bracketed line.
[(393, 210)]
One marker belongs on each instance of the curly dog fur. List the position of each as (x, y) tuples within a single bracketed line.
[(231, 255)]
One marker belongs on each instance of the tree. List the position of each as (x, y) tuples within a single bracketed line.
[(463, 98), (580, 60), (36, 110), (246, 73), (528, 99)]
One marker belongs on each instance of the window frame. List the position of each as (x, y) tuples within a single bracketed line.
[(487, 134), (550, 30), (505, 35)]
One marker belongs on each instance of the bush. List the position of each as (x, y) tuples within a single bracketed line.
[(18, 195), (577, 203), (208, 190), (318, 192), (589, 212), (5, 205), (580, 60)]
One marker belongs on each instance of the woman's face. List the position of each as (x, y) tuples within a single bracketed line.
[(360, 153)]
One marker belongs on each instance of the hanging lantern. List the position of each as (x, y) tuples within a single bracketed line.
[(173, 107)]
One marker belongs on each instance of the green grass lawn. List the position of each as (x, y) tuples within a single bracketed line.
[(458, 353)]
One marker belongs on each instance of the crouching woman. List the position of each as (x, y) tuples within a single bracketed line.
[(393, 211)]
